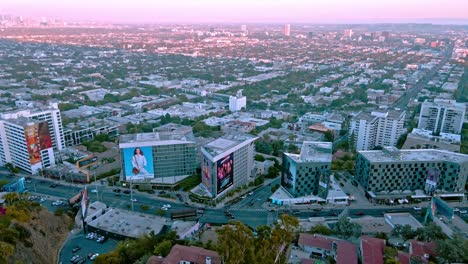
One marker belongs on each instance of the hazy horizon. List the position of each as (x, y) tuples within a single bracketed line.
[(244, 11)]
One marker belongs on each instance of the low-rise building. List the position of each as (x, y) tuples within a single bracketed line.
[(323, 246)]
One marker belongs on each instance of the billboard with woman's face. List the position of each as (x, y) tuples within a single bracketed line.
[(138, 163), (225, 173)]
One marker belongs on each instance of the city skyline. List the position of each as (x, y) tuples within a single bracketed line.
[(242, 11)]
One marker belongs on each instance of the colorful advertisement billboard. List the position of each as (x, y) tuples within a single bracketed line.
[(45, 141), (206, 173), (84, 202), (30, 133), (432, 178), (288, 178), (138, 163), (225, 173)]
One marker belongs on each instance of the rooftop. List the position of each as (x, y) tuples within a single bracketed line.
[(152, 138), (313, 151), (445, 104), (23, 121), (228, 142), (192, 254), (392, 154), (390, 114), (402, 219)]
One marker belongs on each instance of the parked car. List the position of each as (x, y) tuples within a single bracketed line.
[(74, 258), (53, 185), (116, 190), (75, 249), (134, 200), (94, 256), (417, 208), (151, 191), (126, 191)]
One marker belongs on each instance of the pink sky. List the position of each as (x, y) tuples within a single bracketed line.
[(242, 11)]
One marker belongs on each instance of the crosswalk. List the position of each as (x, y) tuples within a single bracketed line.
[(247, 209)]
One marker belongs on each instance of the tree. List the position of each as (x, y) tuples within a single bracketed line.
[(430, 232), (235, 244), (321, 229), (10, 197), (346, 229), (282, 235), (453, 250), (6, 250), (259, 158), (163, 248), (381, 235), (403, 231), (329, 136)]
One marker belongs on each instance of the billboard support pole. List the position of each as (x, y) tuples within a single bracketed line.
[(131, 193)]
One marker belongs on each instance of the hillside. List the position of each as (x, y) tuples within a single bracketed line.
[(29, 232)]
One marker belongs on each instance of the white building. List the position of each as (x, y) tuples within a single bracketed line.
[(370, 130), (442, 116), (236, 103), (49, 114), (26, 143)]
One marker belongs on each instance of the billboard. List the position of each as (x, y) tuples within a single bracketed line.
[(84, 202), (289, 176), (206, 173), (225, 173), (30, 133), (138, 163), (432, 179), (45, 141)]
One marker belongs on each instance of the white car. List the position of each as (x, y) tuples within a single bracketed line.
[(93, 257), (94, 191), (463, 212), (134, 200), (417, 208), (456, 210), (168, 206)]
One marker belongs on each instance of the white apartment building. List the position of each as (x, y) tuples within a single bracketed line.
[(442, 116), (370, 130), (236, 103), (49, 114), (26, 143)]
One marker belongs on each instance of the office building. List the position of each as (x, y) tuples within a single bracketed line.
[(26, 143), (429, 170), (227, 163), (308, 173), (369, 130), (158, 157), (348, 33), (238, 102), (287, 30), (442, 116), (50, 114)]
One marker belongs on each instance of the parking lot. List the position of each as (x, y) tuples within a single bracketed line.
[(87, 247)]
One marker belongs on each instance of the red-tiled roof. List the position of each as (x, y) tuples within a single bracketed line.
[(196, 255), (419, 248), (317, 241), (307, 261), (404, 258), (372, 250), (155, 260), (346, 253)]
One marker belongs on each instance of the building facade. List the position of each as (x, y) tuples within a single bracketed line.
[(442, 116), (308, 173), (49, 114), (238, 102), (158, 157), (26, 143), (369, 130), (227, 163), (430, 170)]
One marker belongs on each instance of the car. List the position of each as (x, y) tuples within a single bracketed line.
[(456, 210), (151, 192), (42, 200), (101, 239), (359, 213), (74, 258), (134, 200), (463, 211), (117, 194), (94, 256), (53, 185), (81, 261), (126, 191), (90, 255), (75, 249), (94, 190), (417, 208), (167, 205), (162, 192), (116, 190), (164, 208)]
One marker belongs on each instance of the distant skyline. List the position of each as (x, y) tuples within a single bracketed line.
[(244, 11)]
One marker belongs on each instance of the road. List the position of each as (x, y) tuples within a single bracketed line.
[(412, 93)]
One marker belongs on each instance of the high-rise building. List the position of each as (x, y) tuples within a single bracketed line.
[(158, 157), (238, 102), (244, 28), (429, 170), (308, 173), (348, 33), (442, 116), (227, 163), (369, 130), (26, 143), (287, 30), (49, 114)]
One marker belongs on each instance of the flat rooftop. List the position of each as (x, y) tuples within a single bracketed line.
[(445, 104), (227, 142), (392, 154), (152, 138), (125, 223), (313, 151), (394, 219), (23, 121)]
